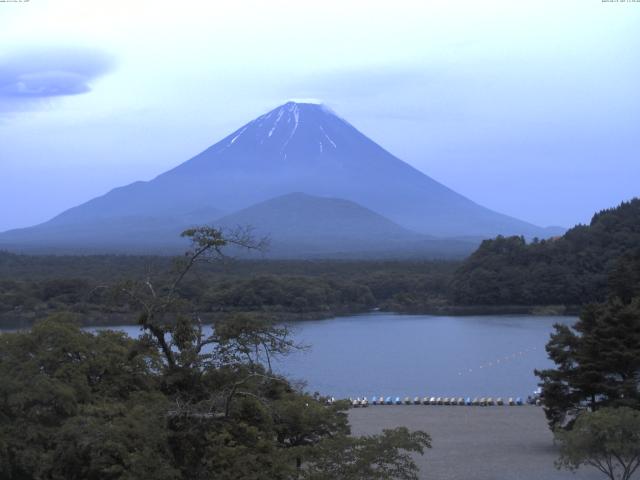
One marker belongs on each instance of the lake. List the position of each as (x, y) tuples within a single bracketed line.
[(386, 354)]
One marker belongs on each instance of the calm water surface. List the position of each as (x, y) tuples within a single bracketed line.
[(385, 354), (409, 355)]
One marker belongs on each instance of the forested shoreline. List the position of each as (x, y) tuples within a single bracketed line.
[(577, 268), (34, 287), (506, 275)]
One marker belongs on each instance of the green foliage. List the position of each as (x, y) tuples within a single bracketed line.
[(608, 439), (597, 362), (291, 294), (176, 403), (33, 287), (569, 270), (379, 457), (624, 280), (77, 405)]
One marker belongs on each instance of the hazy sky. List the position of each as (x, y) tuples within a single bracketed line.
[(531, 108)]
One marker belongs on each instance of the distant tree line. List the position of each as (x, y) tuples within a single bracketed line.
[(570, 270), (34, 287), (506, 274)]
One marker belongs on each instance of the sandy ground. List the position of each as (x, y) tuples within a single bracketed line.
[(475, 443)]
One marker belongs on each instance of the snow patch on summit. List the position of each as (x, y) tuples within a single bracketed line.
[(279, 127), (296, 115), (312, 101), (328, 137), (273, 128), (293, 108), (237, 136)]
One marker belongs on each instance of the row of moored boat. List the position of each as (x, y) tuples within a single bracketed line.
[(468, 401)]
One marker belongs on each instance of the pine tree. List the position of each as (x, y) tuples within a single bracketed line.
[(597, 362)]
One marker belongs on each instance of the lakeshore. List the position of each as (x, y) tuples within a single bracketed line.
[(382, 354), (475, 443)]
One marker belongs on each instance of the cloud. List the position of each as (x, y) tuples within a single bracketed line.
[(395, 92), (363, 82), (39, 74)]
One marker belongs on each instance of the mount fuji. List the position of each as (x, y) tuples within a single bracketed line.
[(297, 147)]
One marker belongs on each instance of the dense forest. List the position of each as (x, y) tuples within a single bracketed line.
[(505, 275), (570, 270), (32, 287)]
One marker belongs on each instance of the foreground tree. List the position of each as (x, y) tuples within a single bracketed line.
[(377, 457), (74, 405), (183, 401), (598, 359), (608, 439), (592, 397)]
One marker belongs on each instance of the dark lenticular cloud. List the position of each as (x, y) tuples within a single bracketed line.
[(50, 72)]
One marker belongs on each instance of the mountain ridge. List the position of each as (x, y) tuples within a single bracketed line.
[(297, 147)]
